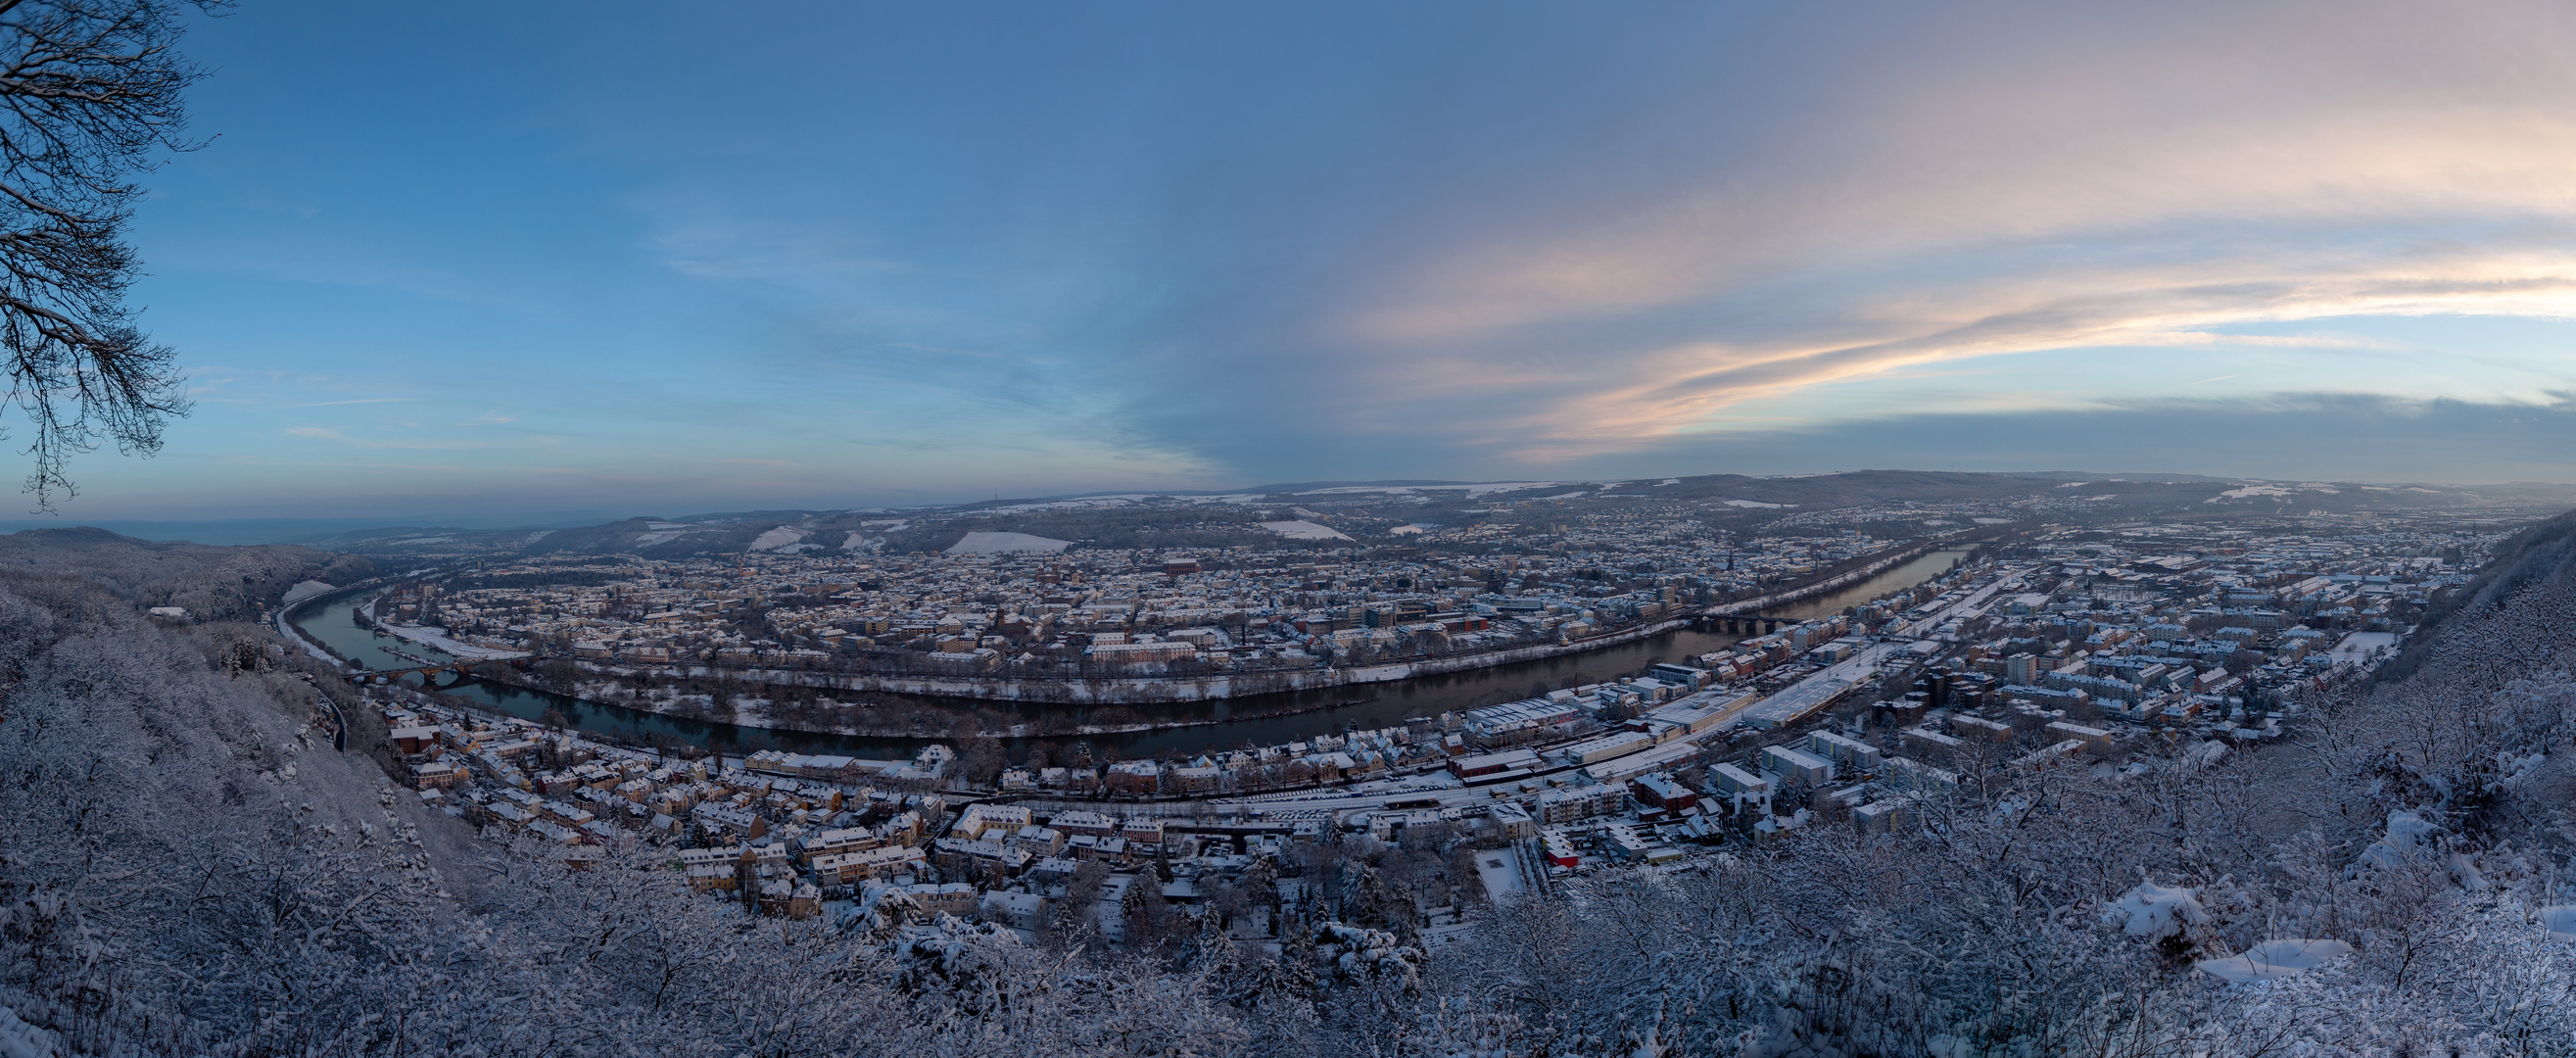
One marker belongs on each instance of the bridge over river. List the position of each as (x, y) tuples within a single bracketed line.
[(1189, 727)]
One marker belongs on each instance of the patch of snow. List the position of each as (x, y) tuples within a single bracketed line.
[(2559, 921), (1757, 503), (2203, 753), (1991, 521), (1472, 491), (2248, 492), (1500, 870), (19, 1039), (650, 539), (2358, 646), (1405, 530), (777, 538), (2156, 912), (2275, 959), (434, 636), (304, 590), (2407, 834), (1304, 530), (2073, 484), (1669, 481), (1005, 543)]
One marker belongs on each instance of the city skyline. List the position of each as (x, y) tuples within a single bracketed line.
[(562, 261)]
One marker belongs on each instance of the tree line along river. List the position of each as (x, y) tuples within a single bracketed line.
[(1263, 719)]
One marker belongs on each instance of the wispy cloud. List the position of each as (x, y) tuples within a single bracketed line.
[(1224, 243)]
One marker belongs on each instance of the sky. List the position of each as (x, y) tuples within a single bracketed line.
[(492, 262)]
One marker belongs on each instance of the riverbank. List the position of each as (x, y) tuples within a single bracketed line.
[(437, 638), (1747, 607), (1273, 715), (894, 725), (1171, 690)]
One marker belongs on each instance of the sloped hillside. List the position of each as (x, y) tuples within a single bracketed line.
[(214, 583), (2412, 834), (187, 869)]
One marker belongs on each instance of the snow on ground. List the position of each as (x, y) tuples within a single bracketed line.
[(1756, 503), (288, 630), (1359, 490), (1670, 481), (2359, 645), (1471, 490), (433, 636), (1501, 870), (2248, 492), (1122, 499), (2273, 960), (650, 539), (1405, 530), (1304, 530), (303, 590), (777, 538), (1005, 543)]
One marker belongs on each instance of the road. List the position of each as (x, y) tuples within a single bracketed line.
[(1923, 629), (1654, 758)]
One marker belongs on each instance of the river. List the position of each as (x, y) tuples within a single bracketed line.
[(1265, 719), (331, 624)]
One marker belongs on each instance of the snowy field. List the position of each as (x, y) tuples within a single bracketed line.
[(1501, 870), (1005, 543), (303, 590), (1304, 530), (434, 636), (777, 538), (2359, 645)]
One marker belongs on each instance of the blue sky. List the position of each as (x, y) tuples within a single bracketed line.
[(489, 261)]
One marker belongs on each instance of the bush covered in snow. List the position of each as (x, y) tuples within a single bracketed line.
[(187, 871)]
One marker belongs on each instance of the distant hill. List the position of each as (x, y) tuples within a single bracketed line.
[(210, 581), (1367, 511)]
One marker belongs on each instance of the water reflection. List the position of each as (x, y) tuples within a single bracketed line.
[(1263, 719)]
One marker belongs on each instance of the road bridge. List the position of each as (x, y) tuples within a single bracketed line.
[(429, 670)]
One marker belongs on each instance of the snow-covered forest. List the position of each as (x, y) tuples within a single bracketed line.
[(189, 868)]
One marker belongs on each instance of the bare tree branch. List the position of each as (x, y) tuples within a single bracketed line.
[(90, 95)]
